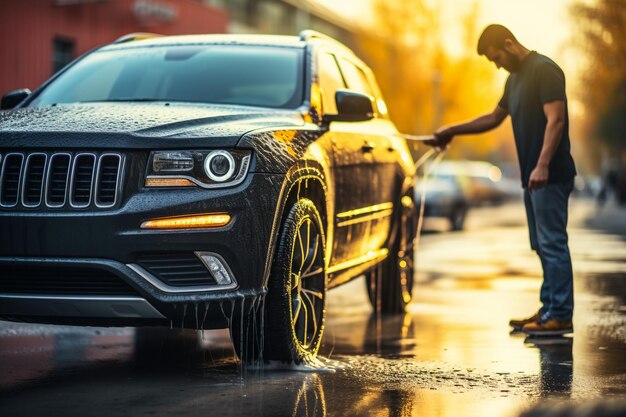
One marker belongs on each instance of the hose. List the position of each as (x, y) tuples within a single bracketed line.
[(421, 161)]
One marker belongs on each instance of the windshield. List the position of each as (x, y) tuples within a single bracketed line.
[(225, 74)]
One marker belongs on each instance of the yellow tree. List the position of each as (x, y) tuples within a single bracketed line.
[(470, 88), (602, 31), (424, 84), (400, 49)]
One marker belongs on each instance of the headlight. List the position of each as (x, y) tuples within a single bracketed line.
[(206, 169), (172, 161), (219, 166)]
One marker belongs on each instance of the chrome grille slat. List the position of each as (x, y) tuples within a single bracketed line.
[(108, 178), (83, 171), (60, 180), (57, 179), (32, 188), (10, 179)]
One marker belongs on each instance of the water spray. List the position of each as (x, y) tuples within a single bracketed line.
[(440, 153)]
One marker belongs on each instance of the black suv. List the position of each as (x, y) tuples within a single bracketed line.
[(204, 181)]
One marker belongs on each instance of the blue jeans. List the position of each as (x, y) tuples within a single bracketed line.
[(546, 211)]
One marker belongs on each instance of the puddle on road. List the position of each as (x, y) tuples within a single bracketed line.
[(430, 362), (406, 373), (319, 364)]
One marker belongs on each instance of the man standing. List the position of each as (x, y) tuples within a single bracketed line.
[(534, 97)]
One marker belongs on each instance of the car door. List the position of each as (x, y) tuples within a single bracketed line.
[(352, 161), (380, 155)]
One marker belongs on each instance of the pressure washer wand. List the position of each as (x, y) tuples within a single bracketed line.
[(420, 138), (429, 153)]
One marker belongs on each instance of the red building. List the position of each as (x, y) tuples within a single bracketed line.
[(38, 37)]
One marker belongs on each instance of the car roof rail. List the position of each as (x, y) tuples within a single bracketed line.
[(308, 34), (137, 36)]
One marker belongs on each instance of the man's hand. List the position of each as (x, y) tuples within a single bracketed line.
[(538, 178), (443, 137), (555, 115)]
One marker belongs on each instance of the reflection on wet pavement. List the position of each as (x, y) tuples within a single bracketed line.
[(452, 354), (557, 364)]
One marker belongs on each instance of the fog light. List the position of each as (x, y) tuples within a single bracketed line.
[(217, 267), (188, 222)]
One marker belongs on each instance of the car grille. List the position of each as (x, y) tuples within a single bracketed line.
[(60, 180), (177, 269), (57, 280)]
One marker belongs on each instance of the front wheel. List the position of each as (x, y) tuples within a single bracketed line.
[(293, 319), (390, 284)]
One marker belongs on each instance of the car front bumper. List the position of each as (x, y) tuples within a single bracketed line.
[(108, 246)]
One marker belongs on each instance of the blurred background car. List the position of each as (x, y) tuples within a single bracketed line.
[(482, 182), (451, 187), (444, 198)]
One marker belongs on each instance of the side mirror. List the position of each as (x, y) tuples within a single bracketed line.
[(351, 107), (15, 97)]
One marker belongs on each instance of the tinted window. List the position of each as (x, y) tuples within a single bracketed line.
[(247, 75), (358, 81), (330, 81), (355, 78)]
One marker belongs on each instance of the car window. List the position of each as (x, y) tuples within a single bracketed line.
[(224, 74), (358, 81), (330, 81), (378, 95), (355, 77)]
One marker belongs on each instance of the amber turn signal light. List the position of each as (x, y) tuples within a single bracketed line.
[(169, 182), (188, 222)]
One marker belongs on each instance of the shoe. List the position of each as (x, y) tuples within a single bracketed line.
[(550, 327), (517, 324)]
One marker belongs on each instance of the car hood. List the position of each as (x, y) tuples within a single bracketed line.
[(137, 124)]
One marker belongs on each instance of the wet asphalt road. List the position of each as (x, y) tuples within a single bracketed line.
[(450, 355)]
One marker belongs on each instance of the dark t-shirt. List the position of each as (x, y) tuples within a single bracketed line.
[(539, 80)]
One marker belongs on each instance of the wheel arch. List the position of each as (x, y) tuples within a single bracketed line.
[(307, 179)]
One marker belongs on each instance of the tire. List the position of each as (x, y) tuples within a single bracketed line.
[(292, 320), (457, 218), (390, 284)]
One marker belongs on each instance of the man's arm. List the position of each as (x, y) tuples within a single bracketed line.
[(555, 115), (483, 123)]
